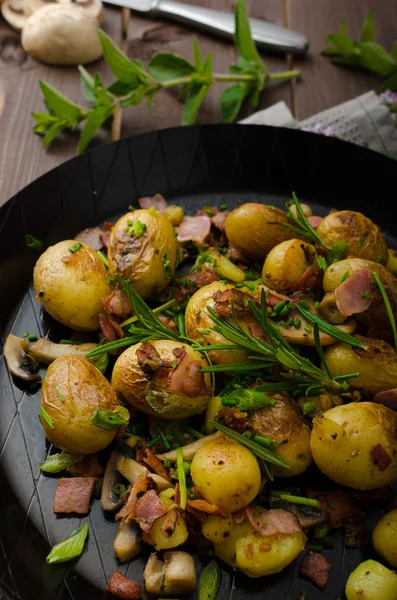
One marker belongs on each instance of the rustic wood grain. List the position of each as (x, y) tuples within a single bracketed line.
[(322, 84)]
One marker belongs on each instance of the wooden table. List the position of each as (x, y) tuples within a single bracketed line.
[(322, 85)]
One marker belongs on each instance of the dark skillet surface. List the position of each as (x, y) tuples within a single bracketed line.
[(191, 167)]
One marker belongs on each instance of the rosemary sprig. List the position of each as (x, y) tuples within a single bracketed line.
[(301, 225), (331, 330), (156, 310), (387, 304)]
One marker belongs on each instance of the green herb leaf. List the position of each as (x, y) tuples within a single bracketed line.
[(166, 66), (247, 400), (59, 462), (368, 28), (95, 120), (60, 106), (209, 582), (197, 55), (70, 547), (87, 84), (193, 103), (242, 36), (53, 131), (124, 69), (46, 417), (375, 58), (232, 100), (33, 243), (181, 478), (110, 419)]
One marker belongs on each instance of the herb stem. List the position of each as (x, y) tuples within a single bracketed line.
[(284, 75)]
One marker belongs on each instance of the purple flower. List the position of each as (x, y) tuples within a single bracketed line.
[(388, 97), (318, 128)]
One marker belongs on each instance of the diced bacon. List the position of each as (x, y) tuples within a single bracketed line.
[(357, 535), (206, 507), (270, 522), (140, 487), (353, 296), (73, 495), (156, 202), (387, 398), (120, 586), (148, 509), (107, 328), (236, 255), (316, 568), (116, 303), (187, 379), (272, 297), (314, 221), (194, 229), (105, 237), (91, 237), (236, 419), (167, 322), (380, 457), (311, 278), (219, 219), (224, 300), (339, 505), (169, 524), (88, 466), (147, 456), (107, 226), (149, 359)]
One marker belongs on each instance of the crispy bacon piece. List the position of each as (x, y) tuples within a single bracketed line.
[(120, 586), (311, 278), (156, 202), (225, 299), (339, 505), (110, 328), (387, 398), (140, 487), (147, 456), (316, 568), (73, 495), (236, 419), (167, 322), (148, 509), (236, 255), (219, 219), (380, 457), (105, 235), (88, 466), (270, 522), (194, 229), (204, 277), (357, 535), (170, 523), (314, 221), (116, 303), (149, 359), (91, 237), (186, 378), (353, 296), (205, 507)]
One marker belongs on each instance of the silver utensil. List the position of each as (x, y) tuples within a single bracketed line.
[(265, 34)]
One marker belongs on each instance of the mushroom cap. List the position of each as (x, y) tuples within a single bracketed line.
[(13, 12), (91, 8), (62, 35)]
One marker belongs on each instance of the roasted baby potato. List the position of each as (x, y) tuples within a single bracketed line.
[(217, 529), (287, 262), (376, 368), (257, 556), (356, 443), (371, 581), (247, 228), (153, 379), (364, 238), (162, 541), (226, 474), (143, 249), (73, 389), (71, 285), (384, 537), (284, 423)]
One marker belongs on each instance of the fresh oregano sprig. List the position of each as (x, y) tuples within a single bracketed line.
[(134, 82)]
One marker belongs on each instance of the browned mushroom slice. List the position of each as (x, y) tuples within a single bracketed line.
[(46, 351), (174, 574), (304, 334), (329, 310), (12, 11), (18, 362), (126, 544), (190, 450), (110, 500), (91, 8)]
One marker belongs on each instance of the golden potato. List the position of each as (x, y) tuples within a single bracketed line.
[(391, 264), (143, 249), (226, 473), (287, 262), (73, 389), (247, 228), (257, 556), (284, 423), (371, 581), (376, 368), (384, 537), (198, 322), (142, 382), (162, 541), (71, 285), (364, 238), (344, 443), (217, 529)]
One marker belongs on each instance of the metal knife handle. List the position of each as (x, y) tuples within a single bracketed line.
[(265, 34)]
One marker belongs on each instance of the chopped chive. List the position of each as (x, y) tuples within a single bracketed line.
[(387, 304), (193, 432), (70, 342), (263, 441), (295, 499), (279, 306), (44, 414), (344, 276), (75, 247), (317, 305), (309, 407), (178, 435), (223, 206), (33, 243), (205, 331), (308, 329), (366, 295), (165, 441), (297, 323), (181, 478), (322, 262), (320, 531), (284, 312), (247, 434), (30, 336), (181, 325), (153, 441), (59, 394), (167, 463), (118, 489), (103, 258)]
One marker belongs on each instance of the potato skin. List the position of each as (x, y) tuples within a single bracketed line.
[(84, 390), (140, 259), (284, 421), (384, 537), (226, 473), (131, 384), (287, 262), (162, 541), (377, 368), (371, 581), (247, 228), (71, 291), (364, 238), (342, 439), (197, 319), (217, 529)]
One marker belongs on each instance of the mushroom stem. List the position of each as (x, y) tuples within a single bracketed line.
[(18, 362), (175, 574), (46, 351)]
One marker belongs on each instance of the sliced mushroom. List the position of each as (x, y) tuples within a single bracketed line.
[(189, 450), (329, 309), (12, 11), (18, 362), (308, 516), (46, 351), (303, 337), (91, 8), (110, 500), (173, 575), (133, 470), (126, 544)]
